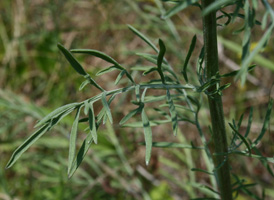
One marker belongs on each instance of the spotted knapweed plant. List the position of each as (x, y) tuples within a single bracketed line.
[(178, 95)]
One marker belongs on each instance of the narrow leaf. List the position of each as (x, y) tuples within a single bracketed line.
[(173, 114), (130, 115), (266, 122), (264, 162), (92, 123), (216, 6), (148, 136), (161, 54), (242, 137), (92, 82), (143, 37), (74, 63), (56, 112), (106, 70), (86, 107), (98, 54), (189, 53), (201, 170), (172, 145), (83, 84), (137, 92), (106, 106), (179, 7), (72, 139), (234, 73), (81, 154), (250, 118), (120, 76), (150, 70), (26, 144)]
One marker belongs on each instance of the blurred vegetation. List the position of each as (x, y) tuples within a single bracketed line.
[(35, 79)]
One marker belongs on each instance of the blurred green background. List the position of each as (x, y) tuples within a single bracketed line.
[(35, 79)]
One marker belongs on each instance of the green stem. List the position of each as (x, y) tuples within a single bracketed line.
[(215, 104)]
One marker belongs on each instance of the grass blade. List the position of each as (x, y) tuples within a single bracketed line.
[(27, 143), (74, 63), (148, 136), (72, 140), (106, 106), (173, 114), (189, 53)]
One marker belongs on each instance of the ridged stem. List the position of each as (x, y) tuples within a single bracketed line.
[(215, 104)]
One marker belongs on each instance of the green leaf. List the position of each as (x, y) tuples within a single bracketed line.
[(141, 68), (201, 170), (26, 144), (206, 198), (189, 53), (98, 54), (148, 136), (81, 154), (74, 63), (92, 123), (173, 114), (234, 73), (92, 82), (179, 7), (152, 59), (242, 137), (106, 106), (83, 84), (120, 76), (208, 84), (139, 124), (264, 162), (150, 70), (130, 115), (143, 37), (106, 70), (216, 6), (137, 92), (265, 125), (56, 112), (86, 107), (249, 122), (161, 54), (72, 139), (172, 145)]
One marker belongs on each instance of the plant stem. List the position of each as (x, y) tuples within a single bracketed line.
[(215, 104)]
